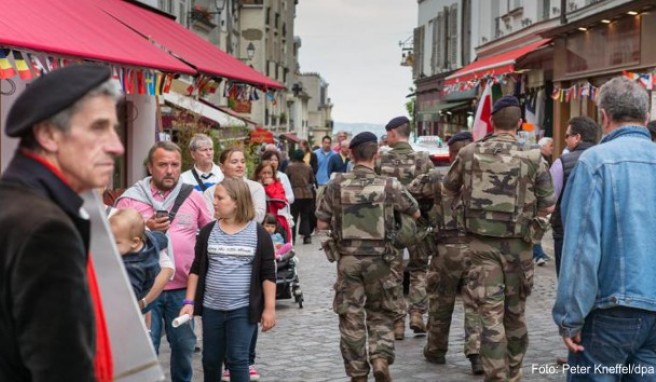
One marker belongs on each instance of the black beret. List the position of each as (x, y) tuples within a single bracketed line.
[(396, 122), (52, 93), (461, 136), (361, 138), (504, 102)]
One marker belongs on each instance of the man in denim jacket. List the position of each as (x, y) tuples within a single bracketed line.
[(606, 304)]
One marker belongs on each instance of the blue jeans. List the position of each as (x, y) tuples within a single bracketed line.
[(181, 339), (226, 337), (538, 252), (620, 336)]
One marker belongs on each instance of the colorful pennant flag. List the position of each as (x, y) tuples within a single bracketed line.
[(37, 67), (166, 83), (158, 83), (23, 70), (6, 70)]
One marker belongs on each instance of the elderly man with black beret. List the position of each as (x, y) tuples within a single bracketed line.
[(506, 194), (51, 326), (353, 208)]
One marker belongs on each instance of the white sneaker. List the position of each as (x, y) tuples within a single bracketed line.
[(255, 376), (540, 262)]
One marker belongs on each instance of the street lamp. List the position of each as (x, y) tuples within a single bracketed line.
[(250, 51), (220, 4)]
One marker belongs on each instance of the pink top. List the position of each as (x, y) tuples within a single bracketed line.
[(191, 216)]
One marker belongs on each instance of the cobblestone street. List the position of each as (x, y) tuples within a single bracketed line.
[(304, 346)]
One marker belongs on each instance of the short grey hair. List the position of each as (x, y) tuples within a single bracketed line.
[(544, 141), (624, 100), (197, 139), (62, 120)]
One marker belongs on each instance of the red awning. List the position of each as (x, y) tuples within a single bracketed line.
[(184, 44), (291, 137), (79, 29), (501, 63)]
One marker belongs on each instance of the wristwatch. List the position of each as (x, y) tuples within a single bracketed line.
[(143, 302)]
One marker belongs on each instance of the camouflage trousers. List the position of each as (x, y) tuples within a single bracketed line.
[(502, 279), (417, 267), (396, 265), (448, 270), (366, 297)]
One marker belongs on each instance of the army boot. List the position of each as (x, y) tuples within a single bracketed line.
[(359, 379), (399, 329), (417, 323), (476, 365), (381, 370)]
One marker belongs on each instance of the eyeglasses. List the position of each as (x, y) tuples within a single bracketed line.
[(204, 149)]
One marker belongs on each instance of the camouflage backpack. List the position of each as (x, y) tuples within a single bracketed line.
[(367, 219), (427, 189), (403, 166), (498, 178)]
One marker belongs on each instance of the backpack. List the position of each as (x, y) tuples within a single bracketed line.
[(367, 219), (496, 191), (404, 167)]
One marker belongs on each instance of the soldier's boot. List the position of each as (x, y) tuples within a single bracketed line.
[(381, 370), (399, 329), (417, 323), (436, 359), (476, 365), (359, 379)]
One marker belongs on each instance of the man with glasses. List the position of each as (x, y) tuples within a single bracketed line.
[(582, 133), (205, 173)]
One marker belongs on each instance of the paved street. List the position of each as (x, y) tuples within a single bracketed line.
[(304, 346)]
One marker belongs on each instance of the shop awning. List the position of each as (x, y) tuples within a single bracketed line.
[(233, 113), (495, 65), (184, 44), (291, 137), (79, 29), (203, 109), (261, 135)]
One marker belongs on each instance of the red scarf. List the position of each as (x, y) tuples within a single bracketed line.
[(102, 362)]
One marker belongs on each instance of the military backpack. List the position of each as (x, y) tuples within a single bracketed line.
[(367, 220), (404, 167), (498, 198)]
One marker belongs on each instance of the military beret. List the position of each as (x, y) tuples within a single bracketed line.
[(504, 102), (363, 137), (396, 122), (461, 136), (52, 93)]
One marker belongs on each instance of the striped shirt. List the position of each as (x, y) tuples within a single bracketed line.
[(227, 286)]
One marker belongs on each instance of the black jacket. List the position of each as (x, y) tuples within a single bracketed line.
[(47, 327), (264, 268)]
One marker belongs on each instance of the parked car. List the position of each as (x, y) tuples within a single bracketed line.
[(435, 146)]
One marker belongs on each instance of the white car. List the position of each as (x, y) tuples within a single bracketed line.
[(434, 146)]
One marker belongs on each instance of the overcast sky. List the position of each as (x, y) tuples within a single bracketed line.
[(354, 45)]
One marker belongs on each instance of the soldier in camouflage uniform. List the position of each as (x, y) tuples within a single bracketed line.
[(449, 269), (506, 194), (358, 208), (405, 164)]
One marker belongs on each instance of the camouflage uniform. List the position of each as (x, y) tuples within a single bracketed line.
[(447, 271), (366, 296), (405, 164), (502, 189)]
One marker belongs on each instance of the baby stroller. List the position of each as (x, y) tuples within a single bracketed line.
[(287, 282)]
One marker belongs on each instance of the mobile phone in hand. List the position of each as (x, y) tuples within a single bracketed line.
[(161, 214)]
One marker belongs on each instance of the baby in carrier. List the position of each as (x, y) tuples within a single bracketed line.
[(139, 250)]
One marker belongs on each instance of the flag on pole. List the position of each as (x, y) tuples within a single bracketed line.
[(6, 70), (482, 123)]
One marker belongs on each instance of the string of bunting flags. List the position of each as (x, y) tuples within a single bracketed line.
[(132, 80), (468, 85), (587, 90)]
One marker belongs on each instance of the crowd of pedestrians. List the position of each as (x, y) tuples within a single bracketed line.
[(203, 242)]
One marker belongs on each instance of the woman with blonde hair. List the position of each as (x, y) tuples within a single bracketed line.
[(232, 282)]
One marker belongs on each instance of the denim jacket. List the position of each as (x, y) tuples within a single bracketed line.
[(609, 214)]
